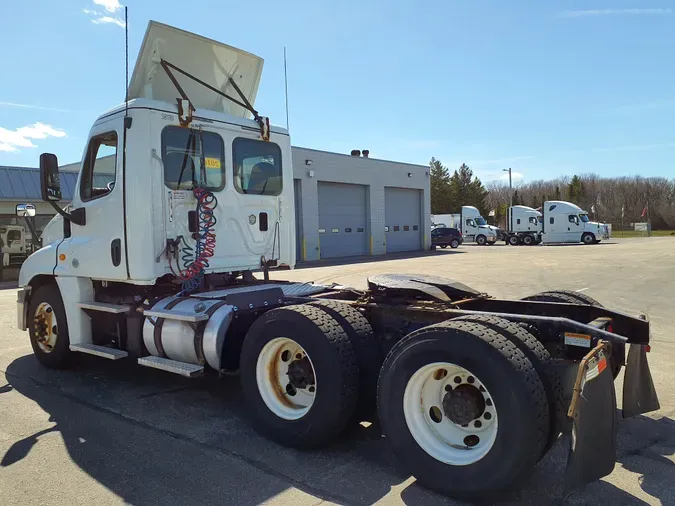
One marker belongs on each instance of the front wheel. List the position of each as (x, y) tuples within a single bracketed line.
[(48, 328), (464, 409), (588, 238), (454, 244), (481, 240)]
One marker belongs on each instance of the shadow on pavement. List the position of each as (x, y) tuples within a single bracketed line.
[(153, 438)]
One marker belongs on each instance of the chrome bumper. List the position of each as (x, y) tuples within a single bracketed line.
[(22, 307)]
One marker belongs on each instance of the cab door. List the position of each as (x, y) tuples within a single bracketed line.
[(97, 248), (470, 229), (573, 233)]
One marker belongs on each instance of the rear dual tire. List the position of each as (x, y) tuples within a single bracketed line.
[(518, 408), (327, 386)]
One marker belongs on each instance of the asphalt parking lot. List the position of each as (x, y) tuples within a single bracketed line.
[(109, 432)]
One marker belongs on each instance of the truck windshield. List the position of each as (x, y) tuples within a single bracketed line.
[(481, 221), (584, 218)]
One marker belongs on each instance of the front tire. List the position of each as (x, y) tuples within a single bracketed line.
[(481, 240), (48, 328), (299, 375), (588, 238), (427, 419)]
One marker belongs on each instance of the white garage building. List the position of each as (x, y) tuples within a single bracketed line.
[(345, 205), (352, 205)]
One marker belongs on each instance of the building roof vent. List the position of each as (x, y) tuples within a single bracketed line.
[(365, 153), (356, 152)]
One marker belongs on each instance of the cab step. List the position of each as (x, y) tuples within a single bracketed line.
[(99, 351), (104, 307), (174, 366), (170, 314)]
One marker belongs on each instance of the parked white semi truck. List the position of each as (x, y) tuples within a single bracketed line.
[(181, 197), (524, 225), (564, 222), (473, 226), (16, 245)]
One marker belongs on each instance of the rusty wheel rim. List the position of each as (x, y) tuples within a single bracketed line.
[(46, 327)]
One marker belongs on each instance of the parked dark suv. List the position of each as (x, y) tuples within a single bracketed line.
[(445, 236)]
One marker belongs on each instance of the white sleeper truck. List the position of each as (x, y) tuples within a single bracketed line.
[(185, 192), (523, 226), (15, 245), (564, 222), (476, 229)]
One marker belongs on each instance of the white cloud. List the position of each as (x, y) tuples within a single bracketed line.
[(108, 19), (614, 12), (12, 140), (99, 17), (515, 176), (30, 106), (109, 5)]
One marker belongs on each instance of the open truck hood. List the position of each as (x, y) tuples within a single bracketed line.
[(207, 60)]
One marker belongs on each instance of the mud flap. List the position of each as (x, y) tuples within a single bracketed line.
[(593, 411), (639, 394)]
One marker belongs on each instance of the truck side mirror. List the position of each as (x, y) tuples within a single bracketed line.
[(25, 210), (50, 185)]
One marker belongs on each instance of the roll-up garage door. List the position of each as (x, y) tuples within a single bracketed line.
[(342, 220), (403, 219)]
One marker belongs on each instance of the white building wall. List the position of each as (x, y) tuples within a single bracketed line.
[(375, 174)]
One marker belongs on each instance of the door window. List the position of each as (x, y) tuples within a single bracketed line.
[(257, 167), (191, 156), (574, 219), (470, 223), (99, 168)]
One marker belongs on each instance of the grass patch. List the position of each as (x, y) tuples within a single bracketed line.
[(636, 233)]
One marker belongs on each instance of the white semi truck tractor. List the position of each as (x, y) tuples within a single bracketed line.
[(565, 222), (476, 229), (524, 225), (185, 193)]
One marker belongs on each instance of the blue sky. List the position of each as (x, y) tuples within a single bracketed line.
[(547, 88)]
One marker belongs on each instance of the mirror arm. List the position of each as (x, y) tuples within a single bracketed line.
[(77, 216)]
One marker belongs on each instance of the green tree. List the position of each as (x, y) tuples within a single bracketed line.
[(439, 181), (575, 190), (516, 198), (466, 190)]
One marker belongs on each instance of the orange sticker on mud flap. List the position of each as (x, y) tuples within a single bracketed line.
[(602, 365)]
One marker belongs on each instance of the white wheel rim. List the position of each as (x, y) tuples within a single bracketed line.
[(283, 398), (46, 327), (441, 438)]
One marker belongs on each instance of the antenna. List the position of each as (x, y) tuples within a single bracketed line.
[(286, 87), (126, 56)]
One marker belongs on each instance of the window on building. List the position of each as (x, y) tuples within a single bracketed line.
[(360, 229), (99, 167), (322, 230), (386, 229), (348, 230), (406, 228), (416, 227), (257, 167), (191, 156), (335, 230)]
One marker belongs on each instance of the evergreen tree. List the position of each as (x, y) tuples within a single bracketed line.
[(440, 187)]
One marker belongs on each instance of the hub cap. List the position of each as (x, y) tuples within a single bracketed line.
[(450, 413), (286, 378), (46, 327)]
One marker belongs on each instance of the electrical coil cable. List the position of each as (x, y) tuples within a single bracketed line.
[(196, 261)]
